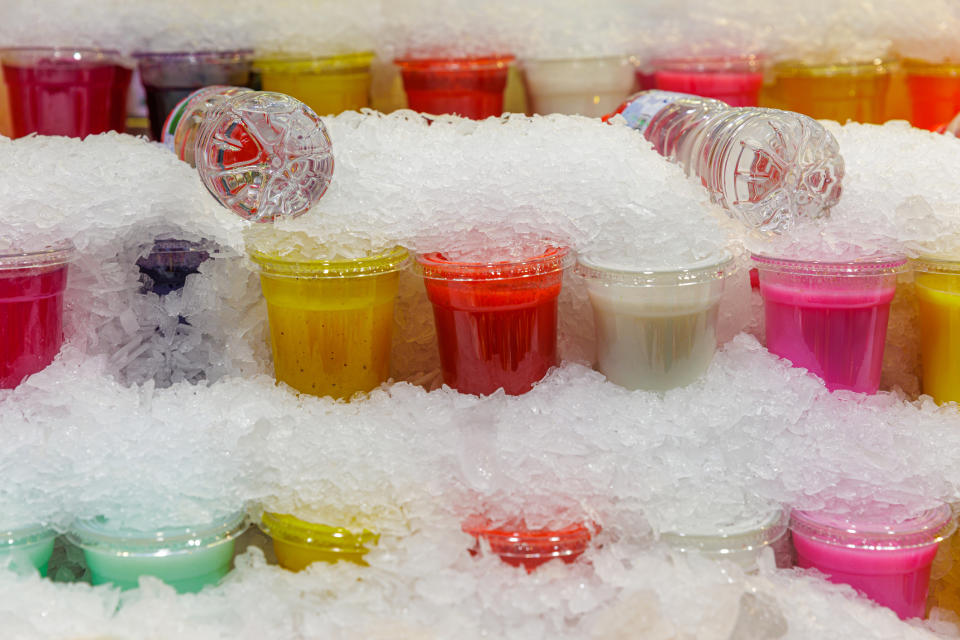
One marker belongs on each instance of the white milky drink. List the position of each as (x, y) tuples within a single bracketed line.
[(656, 329), (590, 87)]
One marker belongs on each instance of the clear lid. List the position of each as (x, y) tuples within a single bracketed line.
[(936, 264), (293, 530), (752, 63), (297, 265), (455, 64), (867, 266), (739, 532), (206, 56), (873, 66), (515, 540), (109, 536), (25, 535), (75, 56), (306, 64), (52, 255), (875, 525), (438, 265), (611, 271)]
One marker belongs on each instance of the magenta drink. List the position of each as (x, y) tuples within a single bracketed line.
[(735, 80), (876, 550), (830, 317)]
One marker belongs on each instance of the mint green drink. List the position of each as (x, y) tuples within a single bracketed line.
[(27, 547), (186, 558)]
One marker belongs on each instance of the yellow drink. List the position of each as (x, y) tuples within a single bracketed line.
[(329, 85), (937, 284), (945, 575), (331, 322), (6, 128), (298, 543), (841, 91)]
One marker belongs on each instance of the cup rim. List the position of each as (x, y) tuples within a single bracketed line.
[(767, 529), (714, 267), (434, 265), (874, 265), (746, 63), (53, 255), (373, 264), (25, 535), (928, 527), (624, 59), (290, 529), (98, 54), (244, 54), (874, 66), (464, 63), (97, 534), (935, 264), (339, 61), (530, 544)]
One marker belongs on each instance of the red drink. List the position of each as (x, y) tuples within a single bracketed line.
[(31, 312), (519, 546), (736, 81), (496, 321), (470, 87), (934, 92), (65, 92)]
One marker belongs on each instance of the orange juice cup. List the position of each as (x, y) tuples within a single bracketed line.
[(833, 91), (934, 92)]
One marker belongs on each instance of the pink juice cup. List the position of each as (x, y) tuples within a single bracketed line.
[(66, 92), (875, 550), (830, 317), (31, 310), (735, 80)]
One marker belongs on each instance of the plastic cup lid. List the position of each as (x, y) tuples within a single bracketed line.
[(203, 54), (612, 271), (876, 526), (742, 532), (50, 256), (712, 64), (440, 266), (24, 535), (292, 530), (297, 265), (867, 266), (454, 64), (101, 534), (306, 63), (517, 541), (936, 264)]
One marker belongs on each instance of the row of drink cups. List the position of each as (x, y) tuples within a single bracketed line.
[(331, 320), (873, 548)]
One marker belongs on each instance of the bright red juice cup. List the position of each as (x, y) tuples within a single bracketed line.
[(735, 80), (875, 550), (934, 92), (469, 87), (520, 546), (830, 317), (66, 92), (496, 321), (31, 310)]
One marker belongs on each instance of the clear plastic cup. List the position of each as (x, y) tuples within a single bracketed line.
[(875, 550), (830, 317), (578, 86), (520, 546), (6, 127), (331, 321), (186, 558), (66, 92), (937, 286), (298, 543), (934, 89), (469, 87), (840, 91), (945, 573), (28, 547), (168, 78), (656, 329), (262, 155), (735, 80), (328, 85), (496, 321), (31, 310), (170, 261), (740, 541)]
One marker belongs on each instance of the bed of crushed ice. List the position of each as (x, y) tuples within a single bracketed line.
[(146, 418)]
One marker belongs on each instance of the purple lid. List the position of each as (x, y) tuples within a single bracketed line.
[(875, 525)]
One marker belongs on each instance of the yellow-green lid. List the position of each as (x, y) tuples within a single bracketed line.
[(292, 530), (312, 64)]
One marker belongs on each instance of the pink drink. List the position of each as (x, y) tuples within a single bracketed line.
[(65, 91), (886, 560), (830, 318), (735, 80), (31, 312)]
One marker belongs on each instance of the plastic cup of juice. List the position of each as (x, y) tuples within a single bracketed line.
[(298, 543), (28, 547), (331, 321), (329, 85), (835, 91), (186, 558), (168, 78), (875, 550), (6, 127), (830, 317), (937, 286), (520, 546), (66, 92), (496, 321), (656, 329), (31, 310), (469, 87), (578, 86), (735, 80), (740, 539), (934, 89)]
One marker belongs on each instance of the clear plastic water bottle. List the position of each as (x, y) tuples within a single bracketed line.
[(262, 155), (768, 168)]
